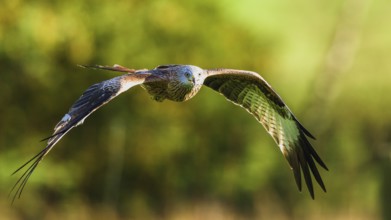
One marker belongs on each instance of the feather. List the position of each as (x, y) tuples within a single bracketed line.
[(250, 91), (182, 82), (92, 99)]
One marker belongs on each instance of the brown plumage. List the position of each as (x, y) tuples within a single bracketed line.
[(180, 83)]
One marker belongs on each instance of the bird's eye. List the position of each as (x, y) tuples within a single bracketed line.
[(187, 74)]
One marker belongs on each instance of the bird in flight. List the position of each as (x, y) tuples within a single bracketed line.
[(182, 82)]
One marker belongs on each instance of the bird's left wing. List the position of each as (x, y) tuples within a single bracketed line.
[(93, 98), (250, 91)]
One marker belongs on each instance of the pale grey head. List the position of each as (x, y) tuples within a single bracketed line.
[(180, 82), (190, 79)]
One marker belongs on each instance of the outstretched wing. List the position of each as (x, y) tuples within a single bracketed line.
[(252, 92), (93, 98)]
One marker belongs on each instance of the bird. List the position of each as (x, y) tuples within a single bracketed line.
[(180, 83)]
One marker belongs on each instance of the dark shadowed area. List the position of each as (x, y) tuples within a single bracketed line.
[(205, 158)]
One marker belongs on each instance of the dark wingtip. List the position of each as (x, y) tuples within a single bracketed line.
[(302, 159), (305, 131), (53, 135), (309, 156), (324, 166), (295, 167), (306, 174), (47, 138), (22, 181)]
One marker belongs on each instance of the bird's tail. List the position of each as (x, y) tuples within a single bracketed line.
[(115, 67)]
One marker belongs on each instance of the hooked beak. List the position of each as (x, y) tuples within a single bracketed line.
[(192, 79)]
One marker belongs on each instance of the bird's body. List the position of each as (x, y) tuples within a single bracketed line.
[(182, 82), (179, 82)]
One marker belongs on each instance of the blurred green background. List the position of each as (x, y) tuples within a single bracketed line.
[(205, 158)]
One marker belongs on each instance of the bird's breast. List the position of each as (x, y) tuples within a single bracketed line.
[(181, 91)]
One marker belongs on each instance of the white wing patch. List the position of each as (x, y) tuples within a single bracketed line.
[(66, 118), (129, 82)]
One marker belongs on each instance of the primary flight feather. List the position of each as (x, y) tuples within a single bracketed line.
[(180, 83)]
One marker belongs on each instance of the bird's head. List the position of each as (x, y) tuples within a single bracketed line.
[(184, 81), (189, 74)]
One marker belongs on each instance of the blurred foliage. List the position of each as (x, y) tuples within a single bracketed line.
[(205, 158)]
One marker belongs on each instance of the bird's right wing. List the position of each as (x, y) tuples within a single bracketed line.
[(93, 98), (250, 91)]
